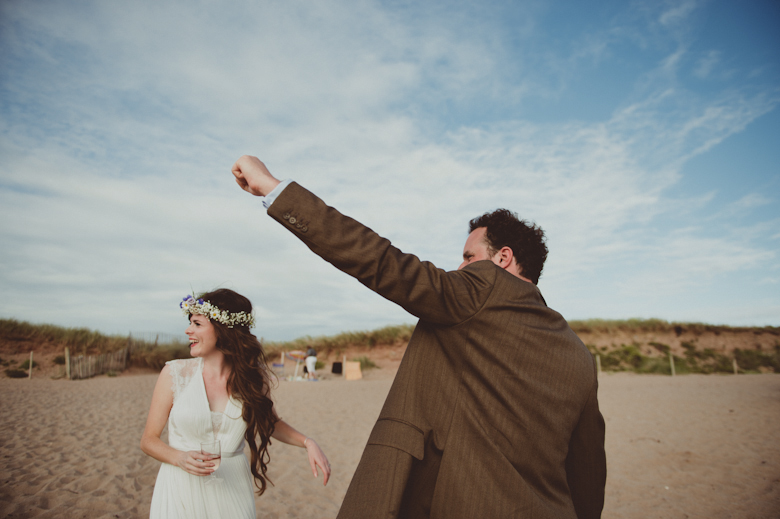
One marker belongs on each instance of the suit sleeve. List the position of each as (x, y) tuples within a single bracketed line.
[(586, 463), (423, 290)]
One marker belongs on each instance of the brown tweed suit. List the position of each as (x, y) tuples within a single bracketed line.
[(494, 410)]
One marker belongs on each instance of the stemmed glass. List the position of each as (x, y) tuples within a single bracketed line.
[(214, 449)]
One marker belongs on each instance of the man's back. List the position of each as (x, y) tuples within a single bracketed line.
[(493, 412), (497, 395)]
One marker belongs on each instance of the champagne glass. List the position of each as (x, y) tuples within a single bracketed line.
[(214, 449)]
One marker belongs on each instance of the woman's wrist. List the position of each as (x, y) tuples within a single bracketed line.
[(180, 458)]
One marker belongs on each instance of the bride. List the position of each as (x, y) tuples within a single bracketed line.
[(223, 394)]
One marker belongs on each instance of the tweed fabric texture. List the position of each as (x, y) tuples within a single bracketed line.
[(494, 409)]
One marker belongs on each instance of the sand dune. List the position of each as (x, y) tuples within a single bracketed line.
[(688, 446)]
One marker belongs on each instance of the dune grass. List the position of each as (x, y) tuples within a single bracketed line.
[(387, 336), (82, 341), (626, 357), (659, 325), (79, 340)]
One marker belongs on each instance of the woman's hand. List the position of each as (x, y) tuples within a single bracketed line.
[(285, 433), (317, 458), (196, 463)]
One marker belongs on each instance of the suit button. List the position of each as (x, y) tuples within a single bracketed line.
[(297, 225), (286, 216), (293, 220), (304, 229)]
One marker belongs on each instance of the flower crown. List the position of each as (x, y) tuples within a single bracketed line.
[(191, 306)]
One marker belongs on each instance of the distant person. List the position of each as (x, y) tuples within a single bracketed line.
[(311, 363), (494, 409), (223, 394)]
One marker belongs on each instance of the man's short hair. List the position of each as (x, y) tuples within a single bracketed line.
[(525, 239)]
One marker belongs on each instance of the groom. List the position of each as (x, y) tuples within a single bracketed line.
[(494, 410)]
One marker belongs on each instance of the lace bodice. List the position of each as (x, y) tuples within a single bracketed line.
[(216, 421), (182, 372), (191, 415), (181, 375)]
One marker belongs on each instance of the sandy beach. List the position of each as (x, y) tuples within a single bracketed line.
[(678, 447)]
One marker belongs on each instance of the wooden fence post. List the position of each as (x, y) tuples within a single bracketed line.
[(598, 363), (29, 374), (67, 363), (736, 367), (129, 350), (671, 362)]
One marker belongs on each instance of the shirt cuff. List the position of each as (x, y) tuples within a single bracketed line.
[(270, 197)]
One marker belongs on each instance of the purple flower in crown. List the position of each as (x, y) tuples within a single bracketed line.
[(188, 304)]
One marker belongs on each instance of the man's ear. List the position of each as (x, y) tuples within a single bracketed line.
[(505, 257)]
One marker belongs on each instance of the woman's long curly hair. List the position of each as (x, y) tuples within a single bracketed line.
[(249, 380)]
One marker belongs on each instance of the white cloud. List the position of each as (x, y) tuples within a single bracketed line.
[(678, 12), (120, 199), (706, 64)]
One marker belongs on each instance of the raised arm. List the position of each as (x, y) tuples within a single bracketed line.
[(419, 287)]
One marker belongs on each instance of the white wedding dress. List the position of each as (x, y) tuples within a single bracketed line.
[(178, 494)]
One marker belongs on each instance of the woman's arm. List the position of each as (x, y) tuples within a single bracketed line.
[(285, 433), (151, 444)]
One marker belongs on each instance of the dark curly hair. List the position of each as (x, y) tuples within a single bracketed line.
[(249, 379), (525, 239)]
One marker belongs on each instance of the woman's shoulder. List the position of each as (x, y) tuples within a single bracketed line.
[(181, 372), (182, 363), (183, 368)]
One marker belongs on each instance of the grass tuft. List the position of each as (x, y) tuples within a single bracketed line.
[(365, 363), (16, 373), (26, 364)]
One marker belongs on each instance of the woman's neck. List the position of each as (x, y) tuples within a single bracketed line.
[(216, 365)]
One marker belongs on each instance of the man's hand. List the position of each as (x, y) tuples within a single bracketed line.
[(253, 177)]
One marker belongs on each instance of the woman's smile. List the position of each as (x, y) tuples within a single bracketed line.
[(202, 335)]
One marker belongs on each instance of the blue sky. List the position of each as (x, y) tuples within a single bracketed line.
[(642, 136)]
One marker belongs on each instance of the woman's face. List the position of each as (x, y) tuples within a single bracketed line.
[(203, 336)]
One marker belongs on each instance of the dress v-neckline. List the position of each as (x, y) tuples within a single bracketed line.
[(206, 395)]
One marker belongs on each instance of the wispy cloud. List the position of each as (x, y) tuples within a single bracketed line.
[(677, 12), (118, 133), (707, 64)]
